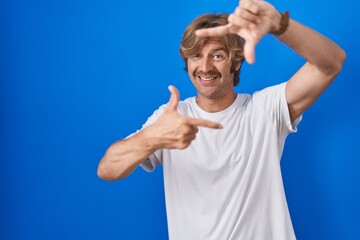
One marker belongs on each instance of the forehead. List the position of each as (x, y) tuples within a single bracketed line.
[(213, 45)]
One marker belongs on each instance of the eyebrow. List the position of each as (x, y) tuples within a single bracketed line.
[(219, 49)]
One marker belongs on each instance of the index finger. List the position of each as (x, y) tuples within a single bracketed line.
[(213, 32), (204, 123)]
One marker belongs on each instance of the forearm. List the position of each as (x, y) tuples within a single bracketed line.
[(122, 157), (318, 50), (171, 131)]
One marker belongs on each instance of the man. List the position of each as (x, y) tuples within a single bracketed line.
[(221, 151)]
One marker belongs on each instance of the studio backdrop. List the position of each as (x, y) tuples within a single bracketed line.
[(75, 76)]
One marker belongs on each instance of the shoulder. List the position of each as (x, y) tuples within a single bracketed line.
[(271, 91)]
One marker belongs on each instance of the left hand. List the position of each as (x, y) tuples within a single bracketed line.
[(251, 20)]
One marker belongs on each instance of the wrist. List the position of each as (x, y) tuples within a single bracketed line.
[(150, 139), (282, 23)]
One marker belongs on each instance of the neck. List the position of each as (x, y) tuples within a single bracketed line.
[(215, 104)]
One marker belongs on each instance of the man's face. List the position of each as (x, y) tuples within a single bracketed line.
[(209, 71)]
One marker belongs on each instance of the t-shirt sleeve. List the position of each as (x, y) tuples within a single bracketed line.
[(273, 101), (155, 159)]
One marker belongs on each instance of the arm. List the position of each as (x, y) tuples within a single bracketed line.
[(122, 157), (253, 19), (324, 62), (171, 130)]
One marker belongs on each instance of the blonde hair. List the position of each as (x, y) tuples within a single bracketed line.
[(191, 44)]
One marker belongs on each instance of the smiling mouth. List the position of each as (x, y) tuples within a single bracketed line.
[(207, 80)]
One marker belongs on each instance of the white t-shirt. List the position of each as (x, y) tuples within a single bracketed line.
[(227, 184)]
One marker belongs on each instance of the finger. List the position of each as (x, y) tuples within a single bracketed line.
[(240, 22), (250, 5), (249, 51), (213, 32), (235, 29), (174, 99), (204, 123), (245, 14), (195, 129)]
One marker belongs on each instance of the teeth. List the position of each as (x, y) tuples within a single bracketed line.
[(207, 78)]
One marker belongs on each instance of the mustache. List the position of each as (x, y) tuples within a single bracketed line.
[(209, 73)]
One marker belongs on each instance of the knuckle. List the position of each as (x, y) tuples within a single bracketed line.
[(183, 144), (193, 137), (238, 11), (183, 121), (254, 8), (231, 17)]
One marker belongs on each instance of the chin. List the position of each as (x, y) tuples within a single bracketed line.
[(208, 94)]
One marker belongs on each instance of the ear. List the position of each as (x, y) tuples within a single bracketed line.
[(237, 66)]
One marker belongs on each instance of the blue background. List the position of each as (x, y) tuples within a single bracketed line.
[(76, 76)]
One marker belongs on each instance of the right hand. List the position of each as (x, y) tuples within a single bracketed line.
[(251, 20), (175, 130)]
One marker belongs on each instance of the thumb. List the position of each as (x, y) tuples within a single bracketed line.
[(174, 99)]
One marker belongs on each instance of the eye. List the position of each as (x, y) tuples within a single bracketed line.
[(218, 57), (196, 56)]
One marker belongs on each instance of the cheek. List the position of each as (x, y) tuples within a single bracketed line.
[(224, 70), (191, 69), (189, 65)]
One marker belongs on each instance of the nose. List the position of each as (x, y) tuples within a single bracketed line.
[(206, 65)]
